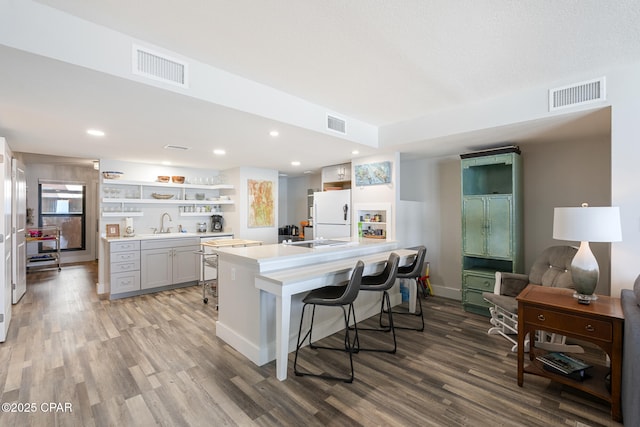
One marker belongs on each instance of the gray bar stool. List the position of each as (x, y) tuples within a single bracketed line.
[(382, 282), (413, 272), (333, 296)]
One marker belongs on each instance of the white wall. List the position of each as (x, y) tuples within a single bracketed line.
[(623, 87), (239, 220)]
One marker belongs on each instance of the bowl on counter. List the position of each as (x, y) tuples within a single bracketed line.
[(163, 178), (111, 174), (178, 179)]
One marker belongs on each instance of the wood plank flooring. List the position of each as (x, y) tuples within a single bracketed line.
[(155, 360)]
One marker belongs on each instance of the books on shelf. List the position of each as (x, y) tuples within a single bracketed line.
[(562, 364)]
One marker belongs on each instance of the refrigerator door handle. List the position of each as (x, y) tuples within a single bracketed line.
[(345, 209)]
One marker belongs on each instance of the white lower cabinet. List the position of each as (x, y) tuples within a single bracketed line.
[(124, 266), (165, 262)]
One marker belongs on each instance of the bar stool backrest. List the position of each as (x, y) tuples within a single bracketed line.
[(414, 270)]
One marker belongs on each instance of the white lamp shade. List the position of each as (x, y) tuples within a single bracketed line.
[(587, 224)]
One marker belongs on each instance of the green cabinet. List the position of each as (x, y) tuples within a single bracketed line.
[(491, 222), (486, 226)]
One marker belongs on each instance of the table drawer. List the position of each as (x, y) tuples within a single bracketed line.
[(125, 256), (481, 283), (569, 324), (125, 282), (119, 267)]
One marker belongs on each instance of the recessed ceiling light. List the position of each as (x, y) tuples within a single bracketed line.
[(166, 163), (274, 133), (219, 152), (295, 163), (354, 152), (95, 132), (307, 172)]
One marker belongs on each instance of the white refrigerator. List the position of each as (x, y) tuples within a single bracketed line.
[(332, 214)]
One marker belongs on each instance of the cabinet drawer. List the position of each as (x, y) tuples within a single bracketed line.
[(119, 267), (481, 283), (125, 282), (471, 296), (574, 325), (125, 256), (125, 246)]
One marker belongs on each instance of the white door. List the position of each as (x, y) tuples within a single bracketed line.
[(19, 219), (5, 240)]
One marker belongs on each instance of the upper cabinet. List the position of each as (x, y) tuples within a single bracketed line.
[(336, 177)]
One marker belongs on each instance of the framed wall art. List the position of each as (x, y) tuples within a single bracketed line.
[(113, 230), (261, 204), (373, 173)]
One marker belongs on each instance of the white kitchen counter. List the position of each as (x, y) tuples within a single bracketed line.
[(166, 236), (259, 319), (279, 256)]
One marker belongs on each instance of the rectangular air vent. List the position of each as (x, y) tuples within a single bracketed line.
[(336, 124), (175, 147), (159, 67), (577, 94)]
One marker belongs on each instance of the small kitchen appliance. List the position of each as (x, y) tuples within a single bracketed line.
[(216, 223), (202, 227)]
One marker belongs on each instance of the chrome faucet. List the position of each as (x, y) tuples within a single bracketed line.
[(162, 229)]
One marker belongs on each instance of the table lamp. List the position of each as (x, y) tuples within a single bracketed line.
[(586, 224)]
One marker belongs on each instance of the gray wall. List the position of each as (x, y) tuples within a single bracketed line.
[(61, 172), (561, 173)]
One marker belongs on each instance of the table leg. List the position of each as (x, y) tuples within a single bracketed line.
[(283, 320), (521, 336)]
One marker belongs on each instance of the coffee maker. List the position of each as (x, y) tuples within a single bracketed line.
[(216, 223)]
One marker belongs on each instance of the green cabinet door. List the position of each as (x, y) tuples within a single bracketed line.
[(499, 219), (486, 226), (473, 226)]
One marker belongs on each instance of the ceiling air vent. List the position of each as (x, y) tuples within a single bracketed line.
[(336, 124), (175, 147), (577, 94), (159, 67)]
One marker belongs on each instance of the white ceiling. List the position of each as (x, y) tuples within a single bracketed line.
[(378, 61)]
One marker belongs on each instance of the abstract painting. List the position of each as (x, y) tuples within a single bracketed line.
[(261, 204), (373, 173)]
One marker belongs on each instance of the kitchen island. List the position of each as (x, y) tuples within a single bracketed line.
[(260, 290)]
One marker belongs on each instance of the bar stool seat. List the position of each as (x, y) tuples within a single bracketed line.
[(413, 272), (382, 282), (333, 296)]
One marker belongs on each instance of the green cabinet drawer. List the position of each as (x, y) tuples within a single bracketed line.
[(483, 283), (473, 302)]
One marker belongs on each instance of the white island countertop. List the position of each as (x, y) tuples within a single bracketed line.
[(278, 256)]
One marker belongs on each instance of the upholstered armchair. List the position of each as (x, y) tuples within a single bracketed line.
[(551, 268)]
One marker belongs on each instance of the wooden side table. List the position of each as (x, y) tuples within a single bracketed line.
[(601, 323)]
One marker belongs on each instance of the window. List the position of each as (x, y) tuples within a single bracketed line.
[(62, 204)]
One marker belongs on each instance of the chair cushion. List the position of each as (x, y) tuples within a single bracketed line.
[(553, 267), (512, 286), (508, 303), (636, 289)]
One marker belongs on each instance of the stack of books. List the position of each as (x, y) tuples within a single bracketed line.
[(562, 364)]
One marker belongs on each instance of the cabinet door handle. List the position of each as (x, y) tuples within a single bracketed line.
[(590, 328), (541, 317)]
